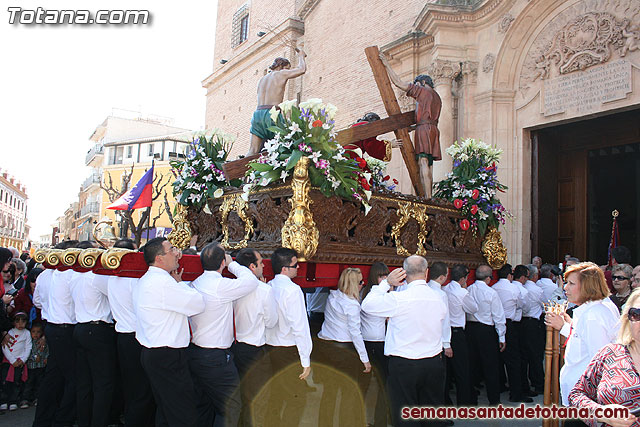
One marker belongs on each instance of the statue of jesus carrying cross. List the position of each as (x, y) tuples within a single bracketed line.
[(427, 136)]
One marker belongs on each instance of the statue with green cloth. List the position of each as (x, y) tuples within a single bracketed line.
[(271, 92)]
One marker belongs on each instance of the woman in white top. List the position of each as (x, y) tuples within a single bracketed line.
[(595, 324), (344, 352)]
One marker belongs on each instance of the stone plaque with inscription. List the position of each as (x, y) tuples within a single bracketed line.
[(584, 92)]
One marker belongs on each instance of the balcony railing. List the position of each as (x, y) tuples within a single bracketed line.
[(97, 149), (93, 179), (90, 208)]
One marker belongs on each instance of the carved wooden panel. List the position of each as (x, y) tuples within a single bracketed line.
[(346, 234)]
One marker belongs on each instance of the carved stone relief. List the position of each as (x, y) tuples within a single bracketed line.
[(470, 71), (488, 62), (443, 70), (505, 22), (586, 34)]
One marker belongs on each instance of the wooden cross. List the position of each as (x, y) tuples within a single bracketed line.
[(397, 122)]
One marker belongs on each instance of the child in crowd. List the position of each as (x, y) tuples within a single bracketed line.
[(14, 369), (36, 365)]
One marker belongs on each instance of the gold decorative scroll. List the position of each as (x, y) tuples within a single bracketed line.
[(111, 258), (299, 231), (88, 257), (235, 203), (180, 236), (41, 255), (54, 256), (407, 211), (493, 249), (69, 256)]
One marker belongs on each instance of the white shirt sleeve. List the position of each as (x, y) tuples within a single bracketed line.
[(566, 329), (270, 309), (446, 325), (101, 282), (233, 289), (469, 304), (520, 299), (497, 313), (37, 300), (296, 317), (182, 299), (353, 324), (380, 302)]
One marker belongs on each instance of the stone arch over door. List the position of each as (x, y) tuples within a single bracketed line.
[(518, 78)]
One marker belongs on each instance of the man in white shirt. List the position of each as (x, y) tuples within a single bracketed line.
[(438, 273), (532, 373), (57, 395), (547, 282), (414, 337), (210, 356), (486, 331), (95, 347), (162, 304), (512, 303), (460, 303), (254, 313), (289, 342), (139, 406)]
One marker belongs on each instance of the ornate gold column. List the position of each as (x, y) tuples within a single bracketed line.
[(443, 72), (299, 231)]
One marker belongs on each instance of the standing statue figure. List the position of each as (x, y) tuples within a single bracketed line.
[(427, 136), (270, 93)]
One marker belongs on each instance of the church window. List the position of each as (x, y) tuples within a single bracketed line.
[(240, 26)]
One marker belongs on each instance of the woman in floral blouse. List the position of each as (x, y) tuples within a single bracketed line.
[(611, 379)]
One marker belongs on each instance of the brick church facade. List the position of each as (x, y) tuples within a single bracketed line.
[(549, 82)]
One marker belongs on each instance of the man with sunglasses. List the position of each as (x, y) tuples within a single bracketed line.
[(288, 342)]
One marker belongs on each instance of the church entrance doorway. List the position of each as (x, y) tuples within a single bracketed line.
[(581, 172)]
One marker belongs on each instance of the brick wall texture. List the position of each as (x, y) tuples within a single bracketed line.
[(336, 32)]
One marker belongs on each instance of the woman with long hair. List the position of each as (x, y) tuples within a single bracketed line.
[(344, 351)]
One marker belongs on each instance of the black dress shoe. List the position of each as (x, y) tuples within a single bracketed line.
[(530, 393)]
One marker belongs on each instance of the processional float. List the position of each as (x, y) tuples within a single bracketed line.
[(329, 233)]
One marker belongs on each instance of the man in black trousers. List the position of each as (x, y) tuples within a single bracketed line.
[(486, 331), (414, 338), (460, 303), (254, 313), (95, 340), (57, 395), (139, 406), (210, 357), (163, 304), (512, 299)]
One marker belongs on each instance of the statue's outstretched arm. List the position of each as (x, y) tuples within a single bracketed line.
[(392, 74), (300, 69)]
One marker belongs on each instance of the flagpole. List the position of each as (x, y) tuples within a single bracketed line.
[(613, 242), (149, 216)]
